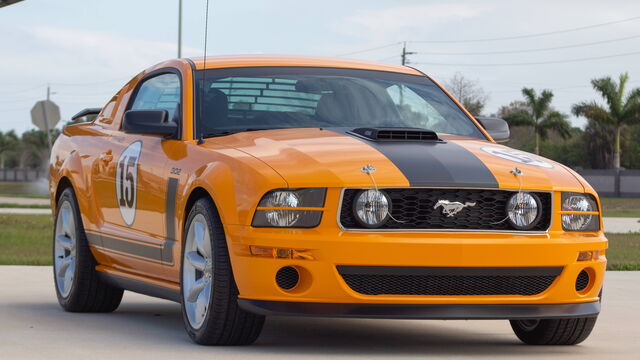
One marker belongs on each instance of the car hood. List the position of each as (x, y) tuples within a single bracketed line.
[(335, 158)]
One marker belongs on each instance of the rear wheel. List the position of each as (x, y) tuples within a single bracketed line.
[(553, 331), (209, 293), (78, 287)]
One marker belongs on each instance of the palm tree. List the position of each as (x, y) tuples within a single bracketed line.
[(620, 111), (8, 142), (540, 116)]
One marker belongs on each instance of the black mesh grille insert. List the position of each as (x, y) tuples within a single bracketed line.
[(413, 209), (582, 281), (287, 277), (380, 280)]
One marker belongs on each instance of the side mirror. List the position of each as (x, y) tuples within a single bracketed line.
[(148, 122), (497, 128)]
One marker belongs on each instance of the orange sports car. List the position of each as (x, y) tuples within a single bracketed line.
[(247, 186)]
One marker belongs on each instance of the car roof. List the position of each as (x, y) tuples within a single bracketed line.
[(296, 60)]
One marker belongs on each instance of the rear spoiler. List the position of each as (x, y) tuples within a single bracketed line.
[(86, 112)]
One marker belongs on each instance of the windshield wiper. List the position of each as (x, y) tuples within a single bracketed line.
[(231, 132)]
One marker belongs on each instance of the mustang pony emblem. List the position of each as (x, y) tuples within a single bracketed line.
[(450, 208)]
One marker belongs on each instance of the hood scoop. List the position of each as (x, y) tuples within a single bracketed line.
[(396, 134)]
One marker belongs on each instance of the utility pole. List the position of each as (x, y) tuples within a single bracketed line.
[(46, 121), (405, 53), (179, 29)]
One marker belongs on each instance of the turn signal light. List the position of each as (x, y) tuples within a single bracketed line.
[(588, 255), (280, 253)]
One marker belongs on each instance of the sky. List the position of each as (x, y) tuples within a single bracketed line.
[(87, 50)]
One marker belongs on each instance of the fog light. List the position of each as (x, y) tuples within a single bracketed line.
[(371, 208), (523, 210)]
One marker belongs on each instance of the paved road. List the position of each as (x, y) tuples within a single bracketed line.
[(25, 211), (24, 201), (32, 326), (621, 225)]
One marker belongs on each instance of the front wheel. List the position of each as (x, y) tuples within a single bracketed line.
[(553, 331), (209, 293)]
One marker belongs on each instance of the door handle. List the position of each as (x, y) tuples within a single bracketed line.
[(106, 157)]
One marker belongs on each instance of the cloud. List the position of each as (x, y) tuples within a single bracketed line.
[(405, 20)]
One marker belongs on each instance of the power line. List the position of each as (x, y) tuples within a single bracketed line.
[(371, 49), (23, 90), (531, 35), (533, 63), (531, 50), (89, 83)]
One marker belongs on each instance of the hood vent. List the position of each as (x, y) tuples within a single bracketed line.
[(396, 134)]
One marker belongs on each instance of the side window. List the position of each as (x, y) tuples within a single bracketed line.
[(159, 92)]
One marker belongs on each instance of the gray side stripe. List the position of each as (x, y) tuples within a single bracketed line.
[(169, 220), (140, 251), (435, 164)]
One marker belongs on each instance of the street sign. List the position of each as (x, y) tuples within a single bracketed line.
[(45, 115)]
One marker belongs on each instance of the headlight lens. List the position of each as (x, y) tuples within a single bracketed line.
[(278, 208), (523, 210), (371, 208), (578, 202)]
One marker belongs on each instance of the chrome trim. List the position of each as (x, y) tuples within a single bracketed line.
[(339, 212)]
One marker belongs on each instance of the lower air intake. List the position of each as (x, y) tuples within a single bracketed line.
[(287, 277), (387, 280)]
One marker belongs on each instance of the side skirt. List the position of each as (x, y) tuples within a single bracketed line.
[(141, 287)]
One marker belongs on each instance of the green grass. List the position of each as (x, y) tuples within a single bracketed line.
[(23, 206), (31, 189), (26, 240), (620, 207), (624, 251)]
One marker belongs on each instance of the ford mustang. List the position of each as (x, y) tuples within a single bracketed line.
[(242, 187)]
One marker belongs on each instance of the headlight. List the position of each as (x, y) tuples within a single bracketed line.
[(371, 208), (523, 210), (278, 208), (578, 203)]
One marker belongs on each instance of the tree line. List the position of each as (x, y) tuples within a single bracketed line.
[(29, 150), (611, 138)]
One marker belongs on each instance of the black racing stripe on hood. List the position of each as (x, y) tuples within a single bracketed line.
[(434, 164)]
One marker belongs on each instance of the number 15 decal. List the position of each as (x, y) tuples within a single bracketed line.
[(127, 181)]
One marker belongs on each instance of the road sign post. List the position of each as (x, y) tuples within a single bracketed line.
[(45, 115)]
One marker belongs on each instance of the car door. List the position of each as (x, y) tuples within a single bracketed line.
[(133, 184)]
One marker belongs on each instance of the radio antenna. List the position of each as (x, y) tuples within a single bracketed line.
[(204, 76)]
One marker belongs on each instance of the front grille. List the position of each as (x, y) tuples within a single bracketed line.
[(383, 280), (412, 208)]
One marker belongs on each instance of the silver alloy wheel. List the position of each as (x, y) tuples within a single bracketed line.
[(65, 249), (197, 271)]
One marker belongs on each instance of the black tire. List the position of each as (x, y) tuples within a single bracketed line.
[(225, 322), (88, 292), (553, 331)]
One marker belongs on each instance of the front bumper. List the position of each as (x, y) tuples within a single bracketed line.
[(423, 311), (330, 248)]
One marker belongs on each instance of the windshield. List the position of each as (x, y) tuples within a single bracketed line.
[(241, 99)]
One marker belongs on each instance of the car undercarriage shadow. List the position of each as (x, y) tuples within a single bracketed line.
[(158, 325)]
